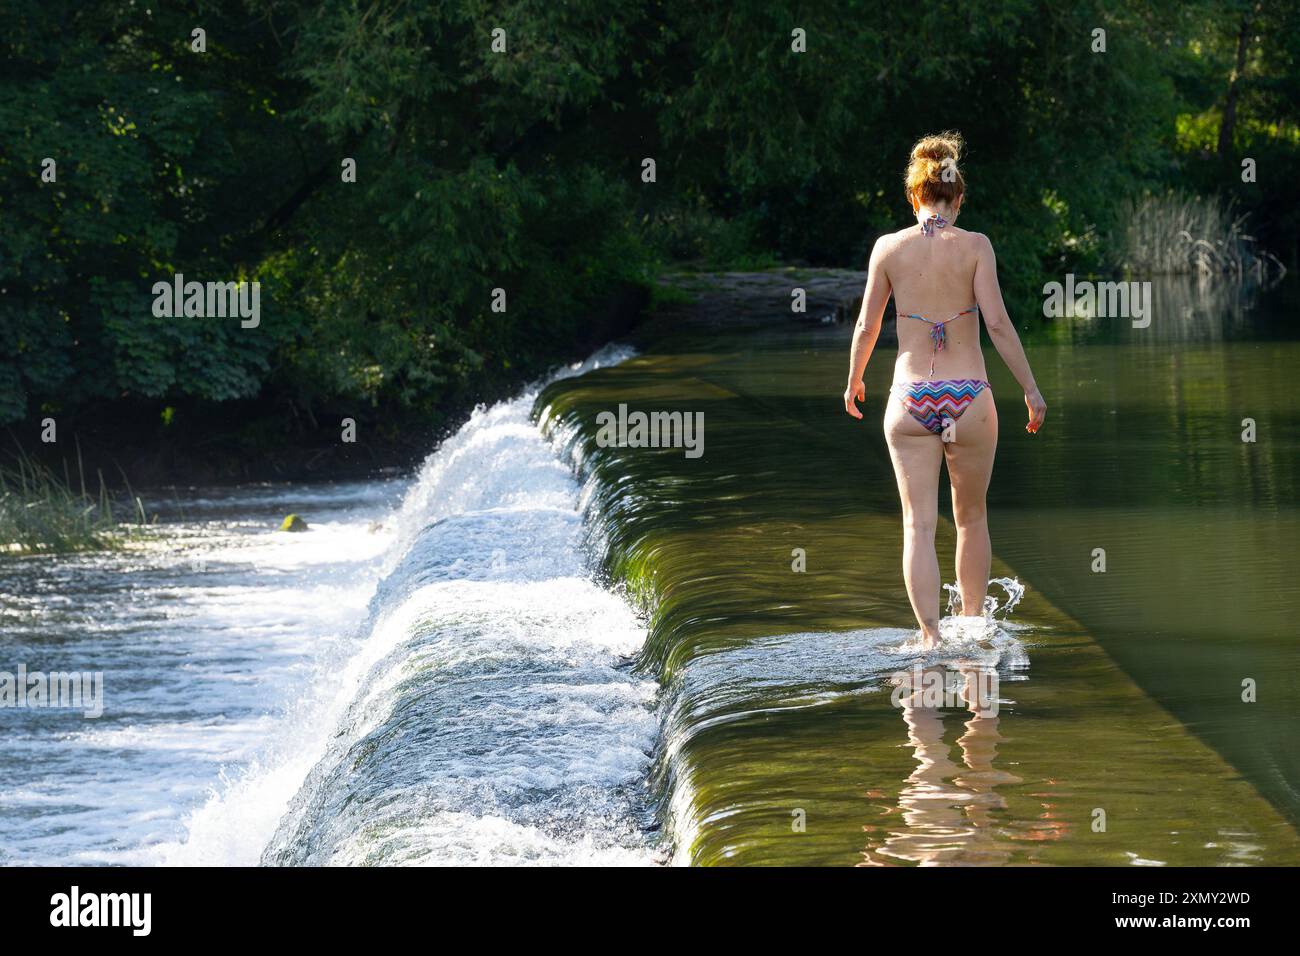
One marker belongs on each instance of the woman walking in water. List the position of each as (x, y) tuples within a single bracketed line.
[(941, 407)]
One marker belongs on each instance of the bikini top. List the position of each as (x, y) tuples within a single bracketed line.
[(929, 222), (938, 335)]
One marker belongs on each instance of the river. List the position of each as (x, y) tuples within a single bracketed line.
[(538, 649)]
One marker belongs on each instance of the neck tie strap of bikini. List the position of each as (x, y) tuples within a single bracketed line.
[(929, 223)]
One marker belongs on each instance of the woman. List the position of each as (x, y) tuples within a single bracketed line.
[(941, 407)]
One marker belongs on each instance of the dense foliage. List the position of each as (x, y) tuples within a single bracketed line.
[(521, 170)]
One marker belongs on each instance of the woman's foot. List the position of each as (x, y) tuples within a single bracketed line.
[(929, 639)]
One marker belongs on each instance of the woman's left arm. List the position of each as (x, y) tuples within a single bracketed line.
[(867, 329)]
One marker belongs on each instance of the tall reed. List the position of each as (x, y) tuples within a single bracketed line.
[(1180, 234), (39, 512)]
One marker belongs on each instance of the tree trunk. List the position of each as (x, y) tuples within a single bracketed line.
[(1228, 124)]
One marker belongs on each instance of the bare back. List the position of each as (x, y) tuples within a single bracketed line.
[(940, 409), (934, 276)]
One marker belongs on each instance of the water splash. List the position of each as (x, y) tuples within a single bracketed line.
[(993, 608), (987, 640)]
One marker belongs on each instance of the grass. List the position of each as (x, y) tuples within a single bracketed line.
[(1177, 234), (668, 293), (41, 513)]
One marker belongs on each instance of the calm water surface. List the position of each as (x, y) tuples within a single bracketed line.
[(1120, 735)]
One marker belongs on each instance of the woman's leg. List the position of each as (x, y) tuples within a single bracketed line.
[(970, 464), (917, 455)]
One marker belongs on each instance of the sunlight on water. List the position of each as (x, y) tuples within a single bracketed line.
[(451, 617), (214, 638)]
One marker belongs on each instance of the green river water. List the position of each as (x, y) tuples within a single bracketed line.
[(1121, 736)]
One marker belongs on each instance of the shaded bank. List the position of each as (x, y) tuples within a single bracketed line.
[(433, 209), (778, 684), (263, 439)]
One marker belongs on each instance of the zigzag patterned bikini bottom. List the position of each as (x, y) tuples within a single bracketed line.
[(931, 402)]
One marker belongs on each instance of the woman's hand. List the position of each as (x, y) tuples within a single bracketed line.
[(1037, 410), (855, 392)]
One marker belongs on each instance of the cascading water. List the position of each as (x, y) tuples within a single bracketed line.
[(435, 681), (495, 717)]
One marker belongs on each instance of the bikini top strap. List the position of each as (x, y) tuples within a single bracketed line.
[(939, 334), (913, 315), (929, 222)]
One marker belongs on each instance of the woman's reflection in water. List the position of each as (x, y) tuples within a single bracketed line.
[(950, 811)]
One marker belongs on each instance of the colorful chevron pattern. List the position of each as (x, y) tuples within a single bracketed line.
[(931, 402)]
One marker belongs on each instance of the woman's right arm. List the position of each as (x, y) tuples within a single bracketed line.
[(867, 329), (988, 294)]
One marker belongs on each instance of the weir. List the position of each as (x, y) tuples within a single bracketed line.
[(491, 718), (779, 741)]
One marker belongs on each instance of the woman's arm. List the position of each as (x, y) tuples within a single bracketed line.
[(867, 329), (988, 294)]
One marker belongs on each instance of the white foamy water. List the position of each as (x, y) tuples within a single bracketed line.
[(211, 639), (429, 675), (496, 718)]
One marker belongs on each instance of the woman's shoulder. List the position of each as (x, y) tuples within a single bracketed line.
[(888, 241), (974, 238), (971, 244), (912, 232)]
